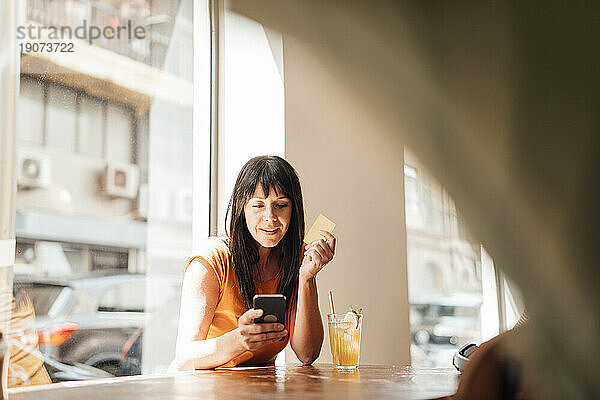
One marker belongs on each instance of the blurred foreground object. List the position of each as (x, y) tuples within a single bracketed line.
[(25, 367), (495, 372), (499, 100), (4, 349)]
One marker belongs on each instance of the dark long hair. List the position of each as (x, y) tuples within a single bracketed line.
[(270, 172)]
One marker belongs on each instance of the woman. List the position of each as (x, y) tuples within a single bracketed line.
[(262, 255)]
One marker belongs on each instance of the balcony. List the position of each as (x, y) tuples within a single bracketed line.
[(121, 69), (150, 50)]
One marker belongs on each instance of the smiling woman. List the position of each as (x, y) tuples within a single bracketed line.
[(262, 254), (268, 216)]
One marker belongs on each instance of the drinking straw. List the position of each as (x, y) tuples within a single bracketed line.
[(331, 308)]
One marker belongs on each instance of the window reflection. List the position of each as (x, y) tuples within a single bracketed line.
[(104, 196)]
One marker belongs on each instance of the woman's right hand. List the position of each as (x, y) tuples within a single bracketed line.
[(254, 336)]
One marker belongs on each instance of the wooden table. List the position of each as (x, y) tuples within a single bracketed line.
[(320, 381)]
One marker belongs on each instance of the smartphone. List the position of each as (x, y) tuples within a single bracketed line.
[(273, 306)]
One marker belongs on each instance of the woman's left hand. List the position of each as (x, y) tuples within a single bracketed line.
[(316, 255)]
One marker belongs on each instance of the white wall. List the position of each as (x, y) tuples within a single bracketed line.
[(351, 170)]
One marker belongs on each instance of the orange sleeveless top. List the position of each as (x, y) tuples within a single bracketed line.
[(231, 306)]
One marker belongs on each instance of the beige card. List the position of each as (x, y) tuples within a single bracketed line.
[(321, 223)]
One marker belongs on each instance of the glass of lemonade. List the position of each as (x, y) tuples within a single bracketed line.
[(344, 339)]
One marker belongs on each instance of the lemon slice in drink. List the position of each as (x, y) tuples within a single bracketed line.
[(351, 317)]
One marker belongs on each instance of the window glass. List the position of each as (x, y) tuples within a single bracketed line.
[(444, 271), (104, 171), (125, 297), (42, 296)]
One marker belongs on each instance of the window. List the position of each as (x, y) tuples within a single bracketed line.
[(444, 271), (104, 170), (452, 281), (124, 297), (42, 296)]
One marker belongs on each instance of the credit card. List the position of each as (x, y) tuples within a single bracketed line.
[(322, 223)]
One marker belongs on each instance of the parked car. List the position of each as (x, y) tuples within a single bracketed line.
[(445, 320), (131, 354), (86, 320), (441, 324)]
